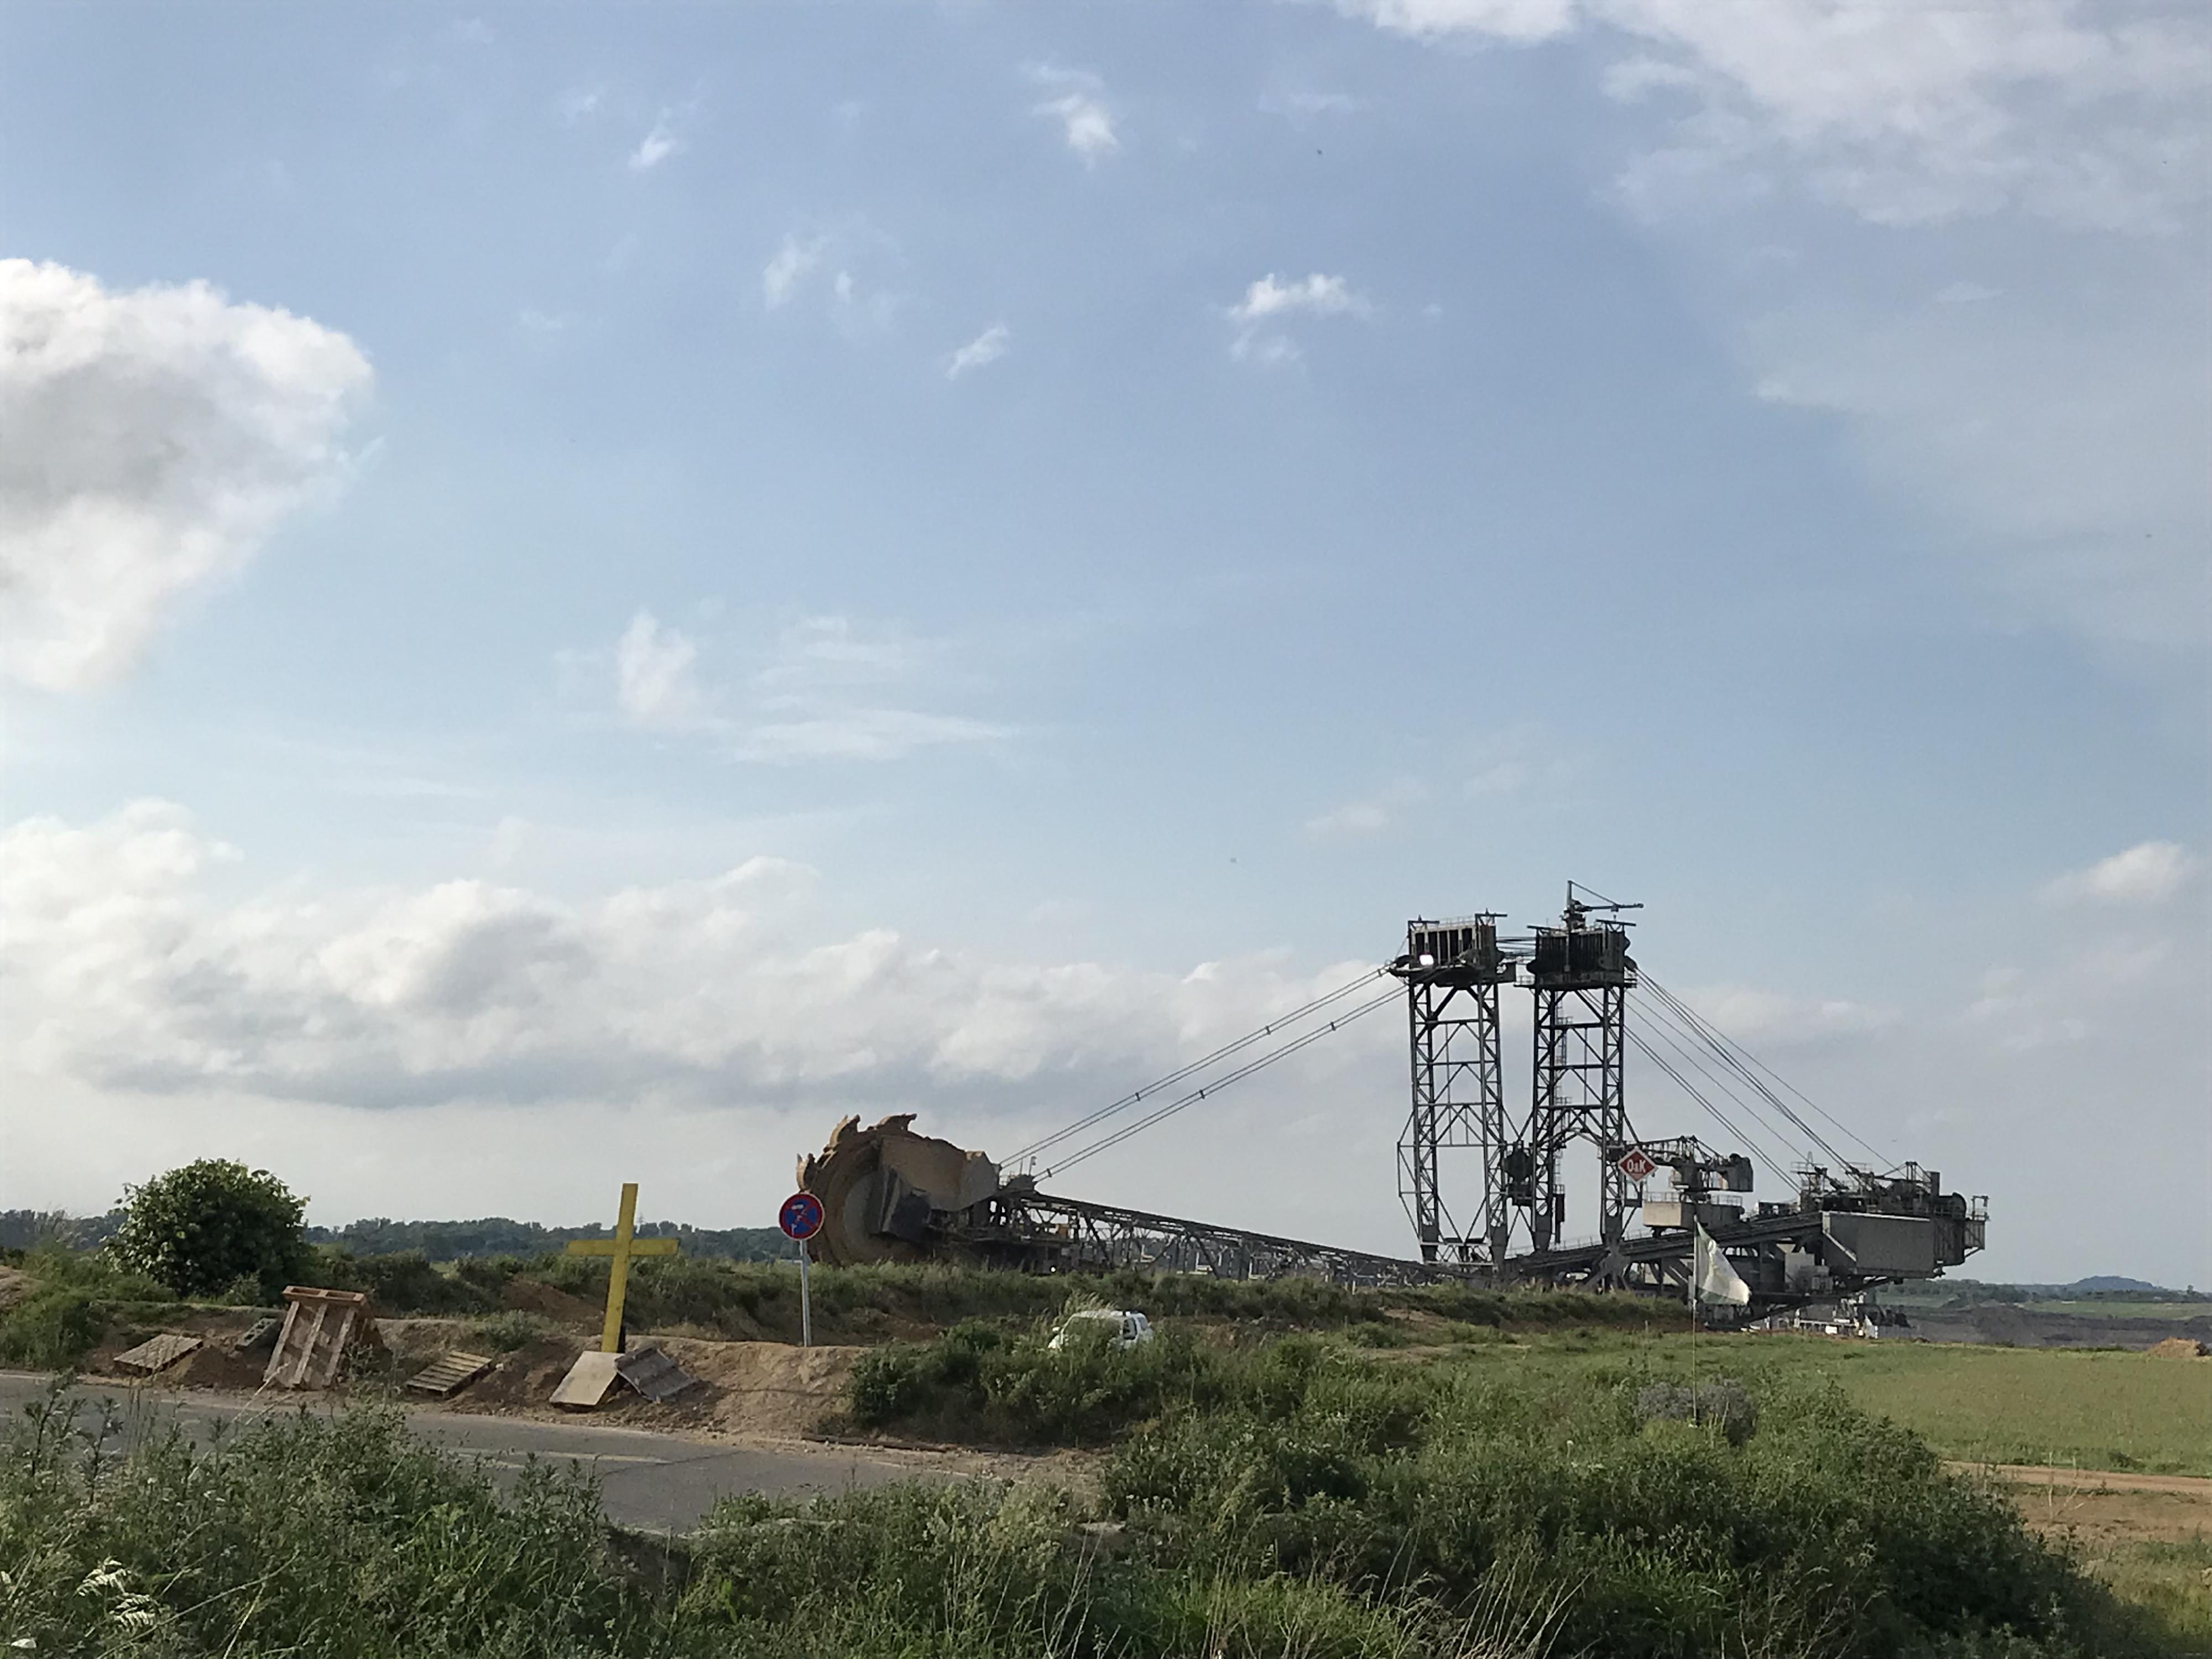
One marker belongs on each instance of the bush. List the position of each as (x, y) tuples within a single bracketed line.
[(403, 1283), (52, 1328), (1721, 1404), (201, 1228), (978, 1383), (503, 1333), (1318, 1507)]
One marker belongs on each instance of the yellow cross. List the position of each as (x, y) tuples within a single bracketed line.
[(623, 1245)]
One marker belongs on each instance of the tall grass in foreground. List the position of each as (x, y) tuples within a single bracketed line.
[(1670, 1521), (1316, 1505)]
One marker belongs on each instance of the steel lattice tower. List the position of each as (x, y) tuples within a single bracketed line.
[(1580, 973), (1452, 970)]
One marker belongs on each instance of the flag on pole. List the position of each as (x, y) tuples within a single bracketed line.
[(1717, 1282)]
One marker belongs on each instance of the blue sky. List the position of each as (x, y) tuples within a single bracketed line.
[(686, 571)]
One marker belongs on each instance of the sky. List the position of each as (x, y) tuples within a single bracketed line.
[(586, 591)]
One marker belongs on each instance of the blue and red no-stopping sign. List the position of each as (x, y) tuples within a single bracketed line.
[(800, 1217)]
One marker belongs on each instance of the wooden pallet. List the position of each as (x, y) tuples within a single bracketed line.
[(319, 1326), (449, 1373), (158, 1353)]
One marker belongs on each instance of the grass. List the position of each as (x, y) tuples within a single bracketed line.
[(2169, 1579), (2102, 1309), (2099, 1409), (1321, 1505), (2091, 1409)]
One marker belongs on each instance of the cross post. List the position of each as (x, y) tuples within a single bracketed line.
[(623, 1245)]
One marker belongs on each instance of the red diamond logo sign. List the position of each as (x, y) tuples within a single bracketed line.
[(1636, 1166)]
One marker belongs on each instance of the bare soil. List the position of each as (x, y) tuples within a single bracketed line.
[(2180, 1347), (769, 1390), (764, 1390), (2025, 1326)]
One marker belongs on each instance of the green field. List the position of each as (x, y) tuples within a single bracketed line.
[(2101, 1309), (2101, 1409)]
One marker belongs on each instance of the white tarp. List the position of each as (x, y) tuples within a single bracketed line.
[(1717, 1282)]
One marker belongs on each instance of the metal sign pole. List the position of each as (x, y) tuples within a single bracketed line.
[(802, 1218), (805, 1302)]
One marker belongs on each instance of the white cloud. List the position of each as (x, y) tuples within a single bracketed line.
[(655, 682), (2148, 873), (657, 145), (1270, 300), (1081, 110), (984, 348), (851, 255), (792, 262), (1320, 295), (1506, 20), (819, 688), (1753, 1015), (714, 1027), (1903, 113), (2057, 439), (154, 438), (1369, 816), (858, 734), (580, 104), (833, 688), (1301, 105), (125, 971)]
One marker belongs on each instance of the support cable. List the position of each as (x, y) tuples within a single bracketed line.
[(1280, 1022), (1751, 1144), (1243, 1071), (1721, 1045), (1738, 1049), (1687, 1048), (1717, 1116)]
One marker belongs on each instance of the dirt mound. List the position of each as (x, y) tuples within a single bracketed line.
[(2180, 1347), (772, 1389), (765, 1388), (216, 1364), (531, 1296)]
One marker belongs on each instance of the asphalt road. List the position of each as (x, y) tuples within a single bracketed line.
[(662, 1481)]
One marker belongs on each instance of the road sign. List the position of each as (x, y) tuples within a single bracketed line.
[(800, 1217), (1636, 1166)]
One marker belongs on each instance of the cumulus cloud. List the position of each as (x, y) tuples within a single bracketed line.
[(156, 437), (984, 350), (1080, 108), (2148, 873), (125, 971), (1270, 301)]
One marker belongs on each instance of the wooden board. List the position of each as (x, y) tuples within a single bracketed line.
[(588, 1380)]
